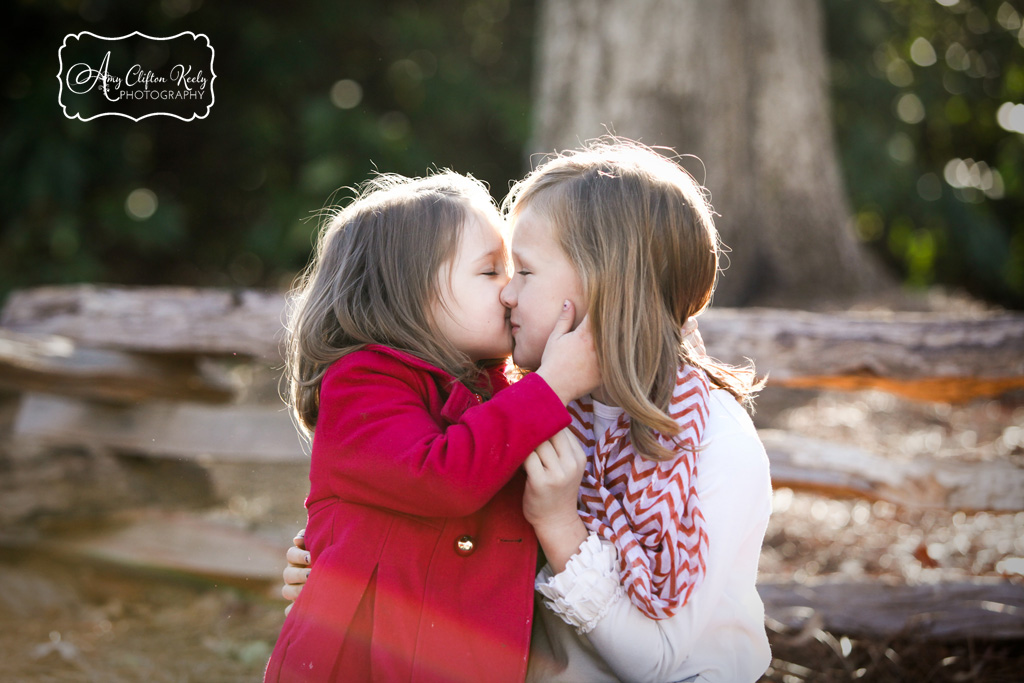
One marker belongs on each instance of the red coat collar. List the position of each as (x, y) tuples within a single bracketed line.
[(460, 398), (408, 359)]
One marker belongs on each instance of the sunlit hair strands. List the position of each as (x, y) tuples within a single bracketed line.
[(374, 276), (639, 231)]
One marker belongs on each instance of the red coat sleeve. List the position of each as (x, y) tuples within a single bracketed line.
[(386, 437)]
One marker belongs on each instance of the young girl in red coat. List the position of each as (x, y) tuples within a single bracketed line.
[(395, 365)]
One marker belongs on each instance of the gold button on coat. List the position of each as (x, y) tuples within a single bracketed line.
[(465, 545)]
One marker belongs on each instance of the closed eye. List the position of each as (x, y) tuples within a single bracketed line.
[(523, 272)]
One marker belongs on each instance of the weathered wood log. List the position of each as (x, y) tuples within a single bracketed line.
[(182, 542), (922, 356), (265, 433), (35, 362), (991, 609), (153, 319), (836, 470), (232, 433)]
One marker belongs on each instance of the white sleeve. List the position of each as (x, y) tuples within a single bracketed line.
[(583, 593), (735, 498)]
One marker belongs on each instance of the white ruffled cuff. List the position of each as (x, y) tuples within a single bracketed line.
[(583, 593)]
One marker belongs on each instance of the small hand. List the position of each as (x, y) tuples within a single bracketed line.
[(569, 363), (553, 474), (297, 572)]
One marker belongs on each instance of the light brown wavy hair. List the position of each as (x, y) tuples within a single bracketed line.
[(374, 277), (639, 231)]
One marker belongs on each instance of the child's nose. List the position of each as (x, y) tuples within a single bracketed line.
[(508, 295)]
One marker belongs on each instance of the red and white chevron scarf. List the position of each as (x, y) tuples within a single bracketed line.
[(649, 509)]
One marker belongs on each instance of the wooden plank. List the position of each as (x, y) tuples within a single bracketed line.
[(153, 319), (48, 363), (833, 469), (182, 543), (265, 433), (990, 609), (923, 356), (239, 433)]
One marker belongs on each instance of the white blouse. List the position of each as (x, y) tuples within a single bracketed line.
[(589, 630)]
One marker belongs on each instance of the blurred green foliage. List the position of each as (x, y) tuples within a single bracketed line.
[(310, 97), (313, 96), (927, 102)]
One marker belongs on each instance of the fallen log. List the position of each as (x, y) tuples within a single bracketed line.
[(191, 431), (153, 319), (181, 543), (265, 433), (924, 356), (990, 609), (980, 608), (837, 470), (36, 362)]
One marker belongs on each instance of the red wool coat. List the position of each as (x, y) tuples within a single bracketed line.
[(423, 563)]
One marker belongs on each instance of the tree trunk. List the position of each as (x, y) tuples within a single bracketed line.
[(740, 84)]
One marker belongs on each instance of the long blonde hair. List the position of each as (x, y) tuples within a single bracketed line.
[(373, 278), (639, 231)]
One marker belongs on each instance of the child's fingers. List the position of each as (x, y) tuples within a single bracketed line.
[(564, 439), (533, 466), (297, 556), (548, 456), (565, 319), (570, 451), (295, 576), (300, 539), (291, 592), (575, 450)]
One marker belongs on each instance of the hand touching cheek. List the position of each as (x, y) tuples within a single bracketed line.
[(542, 280)]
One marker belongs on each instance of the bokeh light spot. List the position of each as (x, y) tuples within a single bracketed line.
[(957, 57), (1008, 17), (899, 74), (901, 148), (141, 204), (910, 109), (1010, 117), (346, 94), (922, 52)]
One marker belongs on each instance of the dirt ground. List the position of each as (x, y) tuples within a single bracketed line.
[(62, 621)]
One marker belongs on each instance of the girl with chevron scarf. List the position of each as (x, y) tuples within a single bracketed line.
[(627, 235)]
